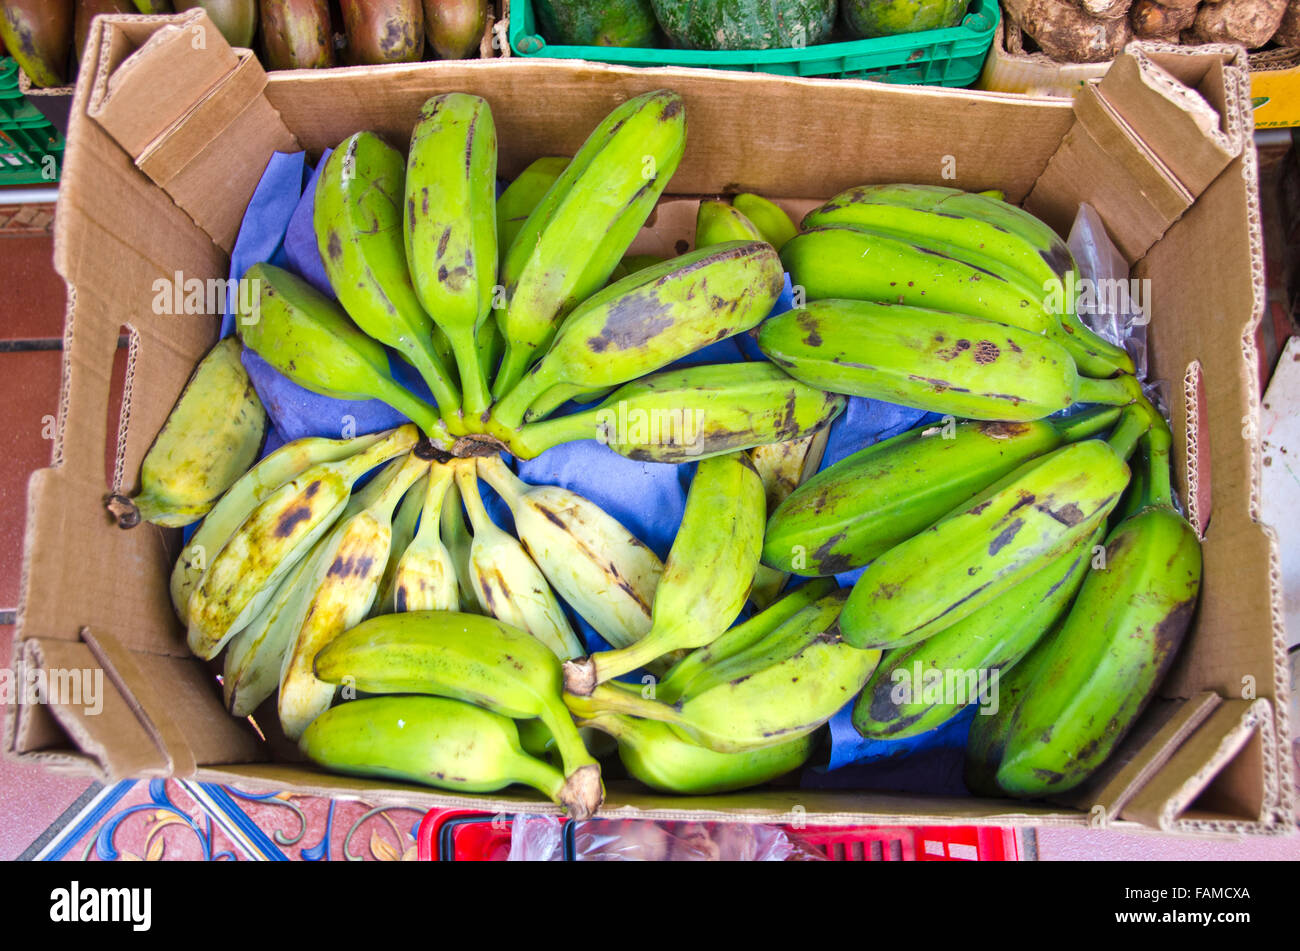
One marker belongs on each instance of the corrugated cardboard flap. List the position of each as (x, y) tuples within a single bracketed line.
[(110, 742), (1167, 801), (175, 101), (1144, 146)]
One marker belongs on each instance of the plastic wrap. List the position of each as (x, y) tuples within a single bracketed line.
[(541, 839), (1109, 301)]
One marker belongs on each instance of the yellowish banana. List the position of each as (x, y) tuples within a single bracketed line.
[(346, 582), (508, 584)]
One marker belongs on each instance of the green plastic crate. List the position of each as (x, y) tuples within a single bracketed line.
[(9, 78), (27, 138), (948, 57)]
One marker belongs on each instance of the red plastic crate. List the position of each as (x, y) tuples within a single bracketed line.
[(463, 835)]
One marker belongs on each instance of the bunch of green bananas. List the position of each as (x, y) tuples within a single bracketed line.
[(979, 537), (943, 300)]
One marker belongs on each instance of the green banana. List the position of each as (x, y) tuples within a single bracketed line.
[(602, 570), (707, 577), (1114, 648), (691, 414), (650, 319), (831, 262), (784, 640), (456, 537), (240, 499), (450, 228), (210, 438), (425, 577), (717, 222), (989, 543), (580, 229), (987, 226), (859, 508), (344, 588), (358, 219), (739, 638), (933, 360), (255, 656), (852, 262), (990, 228), (770, 219), (964, 658), (507, 581), (522, 196), (814, 674), (783, 466), (308, 338), (988, 732), (243, 575), (659, 758), (472, 658), (429, 740)]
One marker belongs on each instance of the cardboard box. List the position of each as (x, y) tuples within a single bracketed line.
[(1211, 755), (1274, 76)]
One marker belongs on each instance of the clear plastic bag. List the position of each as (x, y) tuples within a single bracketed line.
[(541, 839), (1109, 300)]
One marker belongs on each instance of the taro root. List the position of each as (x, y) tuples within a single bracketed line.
[(1251, 23), (1065, 33), (1288, 32), (1152, 20), (1106, 9)]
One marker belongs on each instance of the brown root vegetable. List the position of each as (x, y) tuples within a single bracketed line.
[(383, 31), (1152, 20), (1106, 9), (1251, 23), (1288, 31), (87, 10), (296, 34), (1066, 33), (454, 27)]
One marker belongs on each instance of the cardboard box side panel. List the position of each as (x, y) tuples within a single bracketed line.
[(1210, 271), (1204, 287), (116, 235), (905, 134), (816, 807)]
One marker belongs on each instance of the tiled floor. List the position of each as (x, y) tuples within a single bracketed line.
[(179, 820)]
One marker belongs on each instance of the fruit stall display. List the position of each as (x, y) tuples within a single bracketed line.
[(1032, 531), (47, 36)]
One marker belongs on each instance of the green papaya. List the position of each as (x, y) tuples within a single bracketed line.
[(868, 18), (597, 22), (746, 24)]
